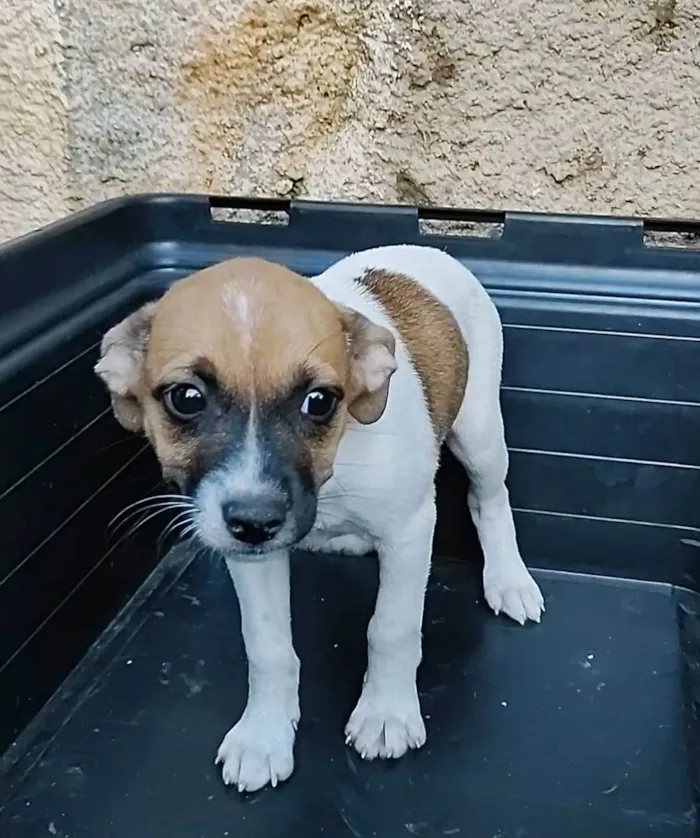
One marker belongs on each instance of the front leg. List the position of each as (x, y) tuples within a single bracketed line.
[(259, 749), (387, 720)]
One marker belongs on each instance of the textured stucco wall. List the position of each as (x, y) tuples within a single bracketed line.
[(590, 105), (33, 117)]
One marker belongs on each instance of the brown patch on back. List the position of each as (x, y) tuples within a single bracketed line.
[(433, 339)]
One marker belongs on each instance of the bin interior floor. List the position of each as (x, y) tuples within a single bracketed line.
[(578, 727)]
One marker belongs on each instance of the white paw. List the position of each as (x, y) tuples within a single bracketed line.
[(515, 593), (385, 725), (258, 751)]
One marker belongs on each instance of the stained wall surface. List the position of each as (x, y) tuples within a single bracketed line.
[(584, 105)]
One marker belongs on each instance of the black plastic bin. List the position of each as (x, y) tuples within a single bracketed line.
[(121, 665)]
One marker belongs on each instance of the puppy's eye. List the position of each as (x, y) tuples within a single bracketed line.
[(319, 405), (184, 401)]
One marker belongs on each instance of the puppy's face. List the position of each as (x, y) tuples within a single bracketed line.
[(242, 377)]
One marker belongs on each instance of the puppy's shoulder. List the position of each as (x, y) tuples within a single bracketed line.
[(424, 295)]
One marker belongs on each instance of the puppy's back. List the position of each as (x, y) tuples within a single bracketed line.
[(439, 310)]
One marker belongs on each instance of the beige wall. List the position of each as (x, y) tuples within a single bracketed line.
[(590, 105)]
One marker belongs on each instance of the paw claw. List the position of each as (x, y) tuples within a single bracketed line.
[(385, 726), (257, 752), (516, 594)]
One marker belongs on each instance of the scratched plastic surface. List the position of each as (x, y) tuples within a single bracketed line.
[(120, 670), (573, 728)]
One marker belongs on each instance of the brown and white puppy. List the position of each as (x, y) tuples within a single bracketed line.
[(296, 412)]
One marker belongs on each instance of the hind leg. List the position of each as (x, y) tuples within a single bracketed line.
[(477, 441)]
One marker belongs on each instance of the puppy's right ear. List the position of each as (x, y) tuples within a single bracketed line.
[(372, 350), (121, 365)]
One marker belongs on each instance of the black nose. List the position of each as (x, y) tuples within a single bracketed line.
[(253, 522)]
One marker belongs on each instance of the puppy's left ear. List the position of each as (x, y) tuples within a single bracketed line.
[(121, 365), (372, 350)]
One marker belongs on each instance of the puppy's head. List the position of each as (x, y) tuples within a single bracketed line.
[(242, 377)]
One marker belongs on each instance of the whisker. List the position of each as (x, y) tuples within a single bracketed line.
[(153, 499), (349, 496), (164, 504), (331, 517), (156, 497), (156, 508), (364, 429), (179, 520), (323, 340), (125, 536), (350, 465), (339, 482), (201, 549), (113, 445), (208, 552), (189, 529), (144, 521)]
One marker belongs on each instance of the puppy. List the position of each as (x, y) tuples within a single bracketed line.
[(310, 413)]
